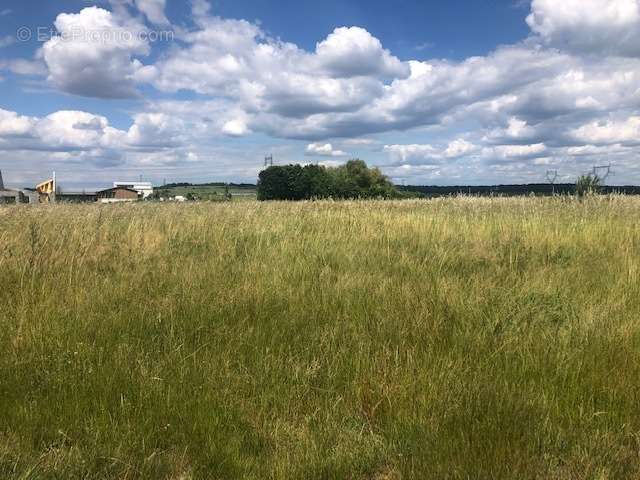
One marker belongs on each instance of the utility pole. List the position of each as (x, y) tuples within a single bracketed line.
[(55, 187), (268, 161), (552, 176)]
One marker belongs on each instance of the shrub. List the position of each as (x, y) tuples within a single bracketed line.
[(588, 185)]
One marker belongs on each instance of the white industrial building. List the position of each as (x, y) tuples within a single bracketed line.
[(144, 189)]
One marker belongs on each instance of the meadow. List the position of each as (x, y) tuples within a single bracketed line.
[(460, 338), (209, 192)]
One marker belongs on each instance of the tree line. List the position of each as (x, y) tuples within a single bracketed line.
[(350, 181)]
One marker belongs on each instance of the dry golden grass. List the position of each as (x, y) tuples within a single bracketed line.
[(463, 338)]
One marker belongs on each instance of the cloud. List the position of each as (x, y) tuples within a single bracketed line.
[(459, 148), (425, 154), (609, 132), (517, 152), (200, 8), (6, 41), (323, 150), (24, 67), (93, 55), (516, 131), (236, 60), (235, 128), (588, 26), (156, 130), (352, 52), (167, 141), (593, 150), (414, 153), (165, 136), (69, 130), (153, 10), (12, 124), (351, 86), (433, 91), (567, 95)]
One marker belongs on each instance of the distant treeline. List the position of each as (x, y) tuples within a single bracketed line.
[(539, 189), (307, 182), (349, 181)]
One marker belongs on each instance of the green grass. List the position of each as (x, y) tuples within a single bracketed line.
[(449, 339), (207, 192)]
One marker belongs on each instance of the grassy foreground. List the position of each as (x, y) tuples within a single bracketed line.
[(448, 339)]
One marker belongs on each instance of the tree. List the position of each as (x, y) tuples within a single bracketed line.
[(273, 184), (318, 182), (356, 180), (352, 180), (588, 185)]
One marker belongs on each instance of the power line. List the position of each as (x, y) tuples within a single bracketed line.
[(602, 168)]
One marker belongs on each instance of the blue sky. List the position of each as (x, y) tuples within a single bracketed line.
[(432, 92)]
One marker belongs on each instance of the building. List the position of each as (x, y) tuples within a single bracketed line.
[(9, 196), (117, 195), (47, 190), (145, 189), (76, 197), (30, 196)]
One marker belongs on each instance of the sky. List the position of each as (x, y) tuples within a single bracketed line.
[(433, 92)]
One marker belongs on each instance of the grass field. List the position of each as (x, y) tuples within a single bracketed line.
[(448, 339), (208, 192)]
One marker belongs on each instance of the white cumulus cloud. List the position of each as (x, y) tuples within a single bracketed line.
[(94, 54), (588, 26), (235, 128), (351, 52), (604, 132), (323, 150)]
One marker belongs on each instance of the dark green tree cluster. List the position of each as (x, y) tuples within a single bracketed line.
[(350, 181)]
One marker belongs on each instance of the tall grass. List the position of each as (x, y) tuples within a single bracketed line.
[(449, 339)]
